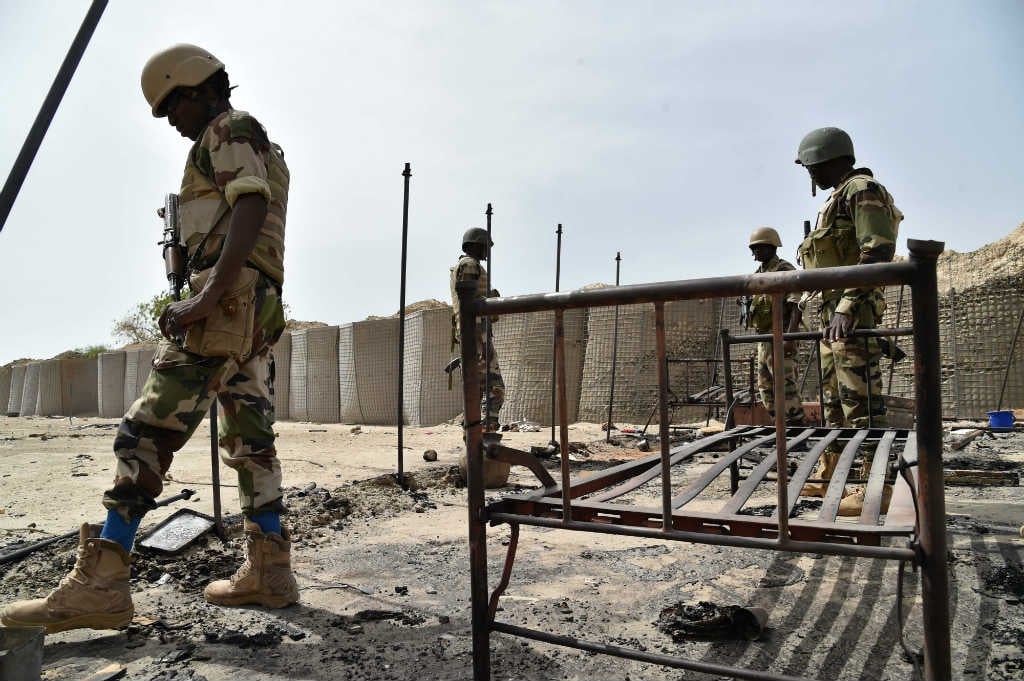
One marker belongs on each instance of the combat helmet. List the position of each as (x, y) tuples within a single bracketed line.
[(824, 144), (476, 235), (180, 65), (765, 235)]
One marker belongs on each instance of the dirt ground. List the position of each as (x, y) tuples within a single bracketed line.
[(384, 572)]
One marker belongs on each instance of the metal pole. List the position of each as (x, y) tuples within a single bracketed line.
[(779, 388), (563, 426), (487, 324), (407, 173), (46, 112), (553, 444), (615, 353), (663, 425), (218, 518), (466, 291), (930, 495), (899, 314)]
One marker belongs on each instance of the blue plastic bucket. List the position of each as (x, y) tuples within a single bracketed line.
[(1000, 419)]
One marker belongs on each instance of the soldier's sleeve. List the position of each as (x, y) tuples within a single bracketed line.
[(237, 145), (468, 268), (875, 227)]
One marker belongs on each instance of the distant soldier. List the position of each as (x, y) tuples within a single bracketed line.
[(764, 244), (857, 225), (474, 246)]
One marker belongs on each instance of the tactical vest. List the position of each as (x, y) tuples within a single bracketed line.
[(761, 303), (204, 213), (466, 268)]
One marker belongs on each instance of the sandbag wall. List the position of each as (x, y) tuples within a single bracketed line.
[(282, 353), (313, 375), (524, 344), (368, 371), (110, 384), (426, 399)]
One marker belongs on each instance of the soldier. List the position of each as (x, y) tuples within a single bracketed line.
[(232, 207), (764, 244), (475, 245), (857, 225)]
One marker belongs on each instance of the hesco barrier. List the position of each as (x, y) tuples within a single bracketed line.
[(5, 387), (49, 393), (16, 389), (426, 399), (78, 387), (110, 384), (368, 371), (313, 391), (30, 391), (137, 365), (282, 352), (524, 344)]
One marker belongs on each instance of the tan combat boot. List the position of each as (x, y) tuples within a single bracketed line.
[(94, 595), (826, 466), (265, 577)]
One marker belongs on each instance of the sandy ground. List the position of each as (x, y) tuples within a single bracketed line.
[(384, 573)]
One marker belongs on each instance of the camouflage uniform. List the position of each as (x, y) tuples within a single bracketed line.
[(761, 318), (859, 218), (471, 268), (232, 157)]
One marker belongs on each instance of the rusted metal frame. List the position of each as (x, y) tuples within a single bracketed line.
[(868, 374), (499, 452), (837, 486), (646, 466), (826, 539), (779, 378), (816, 335), (757, 475), (717, 670), (803, 471), (506, 573), (563, 411), (604, 514), (730, 402), (729, 460), (902, 507), (468, 302), (899, 315), (615, 353), (875, 488), (930, 493), (666, 466)]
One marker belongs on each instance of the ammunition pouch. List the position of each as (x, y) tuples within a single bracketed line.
[(228, 331)]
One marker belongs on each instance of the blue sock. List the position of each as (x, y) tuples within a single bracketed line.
[(269, 521), (116, 529)]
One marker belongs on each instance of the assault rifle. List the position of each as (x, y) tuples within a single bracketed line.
[(173, 251), (745, 302)]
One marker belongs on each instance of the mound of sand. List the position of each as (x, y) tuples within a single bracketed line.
[(997, 261)]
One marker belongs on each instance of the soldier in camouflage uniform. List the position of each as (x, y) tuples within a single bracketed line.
[(857, 225), (475, 248), (232, 212), (764, 244)]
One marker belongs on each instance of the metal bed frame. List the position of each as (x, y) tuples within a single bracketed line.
[(914, 524)]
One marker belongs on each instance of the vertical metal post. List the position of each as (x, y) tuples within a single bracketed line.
[(488, 341), (218, 517), (46, 112), (730, 415), (663, 431), (466, 291), (869, 375), (563, 421), (615, 353), (899, 315), (821, 386), (779, 388), (407, 173), (930, 494), (554, 350)]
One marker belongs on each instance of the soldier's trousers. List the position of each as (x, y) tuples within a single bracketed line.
[(848, 367), (176, 397), (766, 383), (493, 381)]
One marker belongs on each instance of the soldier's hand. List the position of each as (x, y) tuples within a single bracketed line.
[(840, 326), (181, 314)]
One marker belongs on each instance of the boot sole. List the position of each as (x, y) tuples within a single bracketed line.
[(266, 601), (112, 620)]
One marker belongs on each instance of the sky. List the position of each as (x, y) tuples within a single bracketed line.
[(664, 130)]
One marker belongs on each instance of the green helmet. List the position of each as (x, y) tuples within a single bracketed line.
[(824, 144), (475, 235), (765, 235)]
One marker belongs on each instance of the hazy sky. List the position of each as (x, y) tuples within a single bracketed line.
[(665, 130)]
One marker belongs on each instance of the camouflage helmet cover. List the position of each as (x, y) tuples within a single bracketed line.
[(180, 65), (824, 144), (765, 235), (476, 235)]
